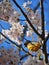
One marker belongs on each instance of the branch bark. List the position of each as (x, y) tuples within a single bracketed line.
[(42, 19), (43, 31)]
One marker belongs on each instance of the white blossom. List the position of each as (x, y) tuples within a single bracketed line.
[(15, 31), (29, 2), (24, 4), (28, 33)]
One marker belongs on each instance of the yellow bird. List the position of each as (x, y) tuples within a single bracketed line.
[(34, 47)]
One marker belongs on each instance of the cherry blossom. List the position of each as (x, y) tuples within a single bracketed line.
[(33, 61), (9, 57), (28, 33), (26, 3), (10, 15), (14, 33)]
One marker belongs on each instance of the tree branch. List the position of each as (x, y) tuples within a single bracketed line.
[(42, 19), (27, 52), (43, 31), (21, 19), (27, 19)]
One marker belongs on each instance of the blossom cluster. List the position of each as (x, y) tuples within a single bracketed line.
[(9, 56), (10, 15), (14, 33), (7, 12), (35, 60), (26, 3)]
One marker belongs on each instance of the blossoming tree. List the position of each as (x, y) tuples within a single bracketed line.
[(34, 26)]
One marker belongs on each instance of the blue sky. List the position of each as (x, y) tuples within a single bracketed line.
[(33, 5)]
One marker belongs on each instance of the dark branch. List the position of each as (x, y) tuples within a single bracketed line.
[(21, 20), (48, 54), (43, 31), (27, 52), (27, 19), (42, 19)]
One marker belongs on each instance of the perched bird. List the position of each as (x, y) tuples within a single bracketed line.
[(35, 46)]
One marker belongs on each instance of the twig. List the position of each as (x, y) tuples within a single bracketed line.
[(21, 20), (27, 52), (42, 19)]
